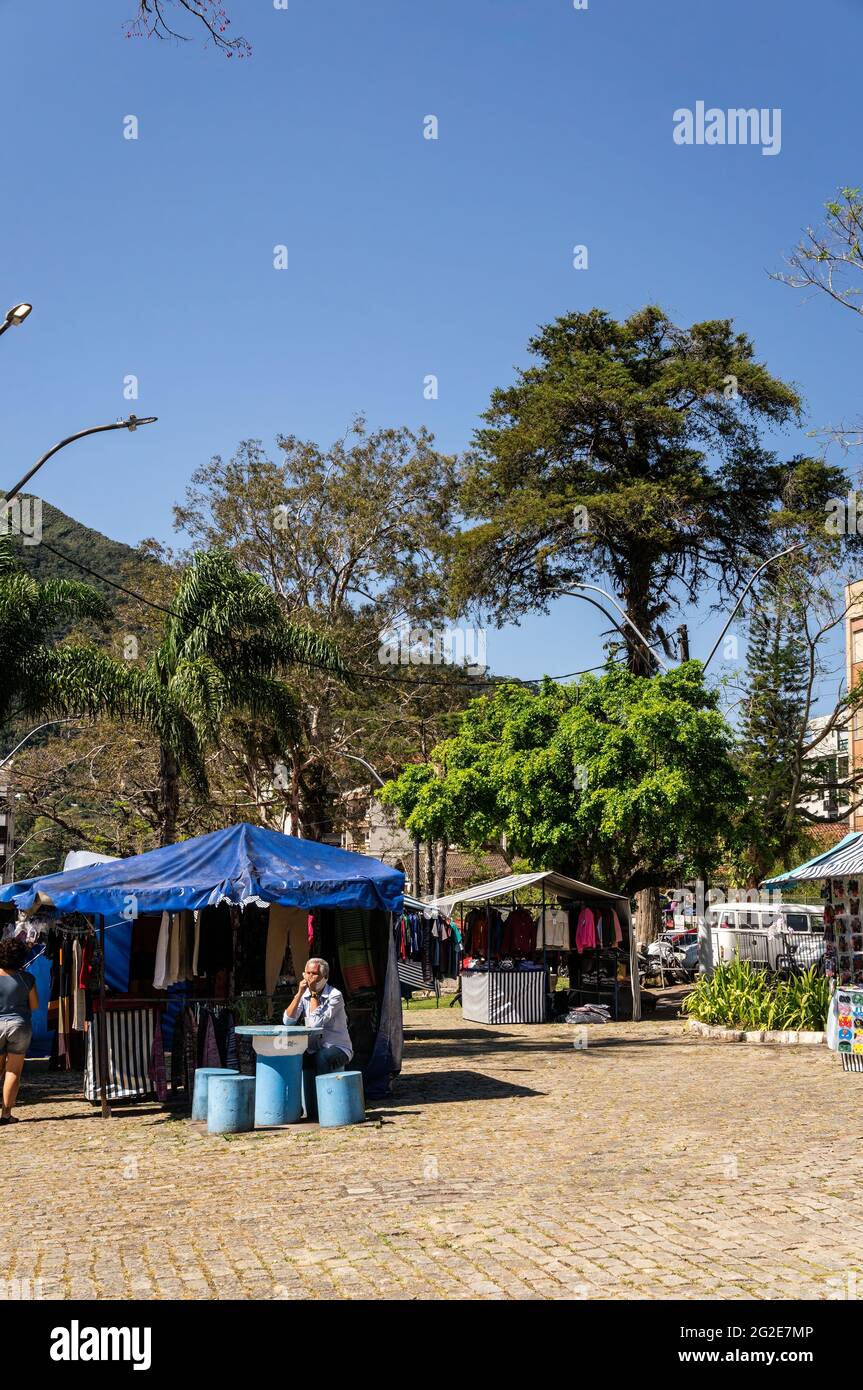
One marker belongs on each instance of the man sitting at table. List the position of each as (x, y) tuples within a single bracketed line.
[(318, 1004)]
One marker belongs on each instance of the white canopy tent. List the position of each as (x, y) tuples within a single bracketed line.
[(503, 887), (562, 887)]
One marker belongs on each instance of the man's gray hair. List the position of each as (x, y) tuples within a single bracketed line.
[(318, 960)]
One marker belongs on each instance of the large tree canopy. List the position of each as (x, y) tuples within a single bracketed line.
[(629, 452), (348, 536), (38, 677), (623, 779)]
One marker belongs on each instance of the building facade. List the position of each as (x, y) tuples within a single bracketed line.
[(853, 674), (829, 763)]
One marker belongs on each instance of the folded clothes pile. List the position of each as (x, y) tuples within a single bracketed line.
[(589, 1013)]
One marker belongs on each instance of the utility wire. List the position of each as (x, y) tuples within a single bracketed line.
[(381, 675)]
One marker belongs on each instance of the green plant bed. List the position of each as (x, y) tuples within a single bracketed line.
[(740, 996)]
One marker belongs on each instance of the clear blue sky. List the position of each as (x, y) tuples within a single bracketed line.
[(407, 256)]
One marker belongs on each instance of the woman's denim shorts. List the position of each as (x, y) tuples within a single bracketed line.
[(15, 1036)]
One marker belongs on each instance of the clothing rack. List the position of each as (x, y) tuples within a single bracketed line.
[(592, 959)]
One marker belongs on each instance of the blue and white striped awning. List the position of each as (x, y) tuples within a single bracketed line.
[(840, 861)]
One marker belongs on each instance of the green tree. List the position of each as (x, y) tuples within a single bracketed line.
[(796, 609), (629, 452), (773, 726), (349, 538), (223, 651), (620, 779), (38, 675)]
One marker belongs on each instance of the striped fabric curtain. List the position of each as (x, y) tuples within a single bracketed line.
[(130, 1034)]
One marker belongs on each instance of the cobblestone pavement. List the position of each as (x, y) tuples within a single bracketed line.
[(507, 1164)]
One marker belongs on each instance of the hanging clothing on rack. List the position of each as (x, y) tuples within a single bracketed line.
[(556, 929), (586, 936), (616, 931), (354, 948), (519, 934), (160, 969), (196, 948), (292, 923), (215, 953), (172, 975)]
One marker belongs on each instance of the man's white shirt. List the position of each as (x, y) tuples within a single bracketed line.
[(329, 1016)]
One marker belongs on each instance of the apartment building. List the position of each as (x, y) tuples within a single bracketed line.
[(853, 674), (830, 763)]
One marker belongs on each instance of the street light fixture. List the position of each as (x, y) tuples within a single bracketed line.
[(17, 314), (373, 770), (131, 424)]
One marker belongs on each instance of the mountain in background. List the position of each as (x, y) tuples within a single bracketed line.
[(81, 543)]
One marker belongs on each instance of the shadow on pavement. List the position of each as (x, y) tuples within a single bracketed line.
[(430, 1088)]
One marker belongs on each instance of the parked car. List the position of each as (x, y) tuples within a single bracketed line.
[(673, 957), (686, 945)]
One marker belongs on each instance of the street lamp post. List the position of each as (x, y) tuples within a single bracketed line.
[(131, 424), (15, 316), (769, 561), (49, 723), (575, 593)]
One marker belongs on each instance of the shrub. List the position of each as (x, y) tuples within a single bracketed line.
[(739, 995)]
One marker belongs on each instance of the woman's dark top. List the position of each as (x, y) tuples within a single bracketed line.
[(15, 994)]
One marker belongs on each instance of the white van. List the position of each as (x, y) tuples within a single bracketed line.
[(779, 935)]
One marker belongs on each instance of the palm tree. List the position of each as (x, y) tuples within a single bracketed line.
[(223, 649), (38, 676), (222, 653)]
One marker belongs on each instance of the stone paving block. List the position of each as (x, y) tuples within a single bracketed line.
[(548, 1181)]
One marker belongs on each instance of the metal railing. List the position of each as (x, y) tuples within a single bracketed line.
[(786, 952)]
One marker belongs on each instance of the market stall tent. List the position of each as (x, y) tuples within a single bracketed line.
[(549, 881), (240, 866), (844, 858), (840, 871)]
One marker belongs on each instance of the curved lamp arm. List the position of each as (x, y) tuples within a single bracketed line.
[(639, 634), (769, 561), (131, 424), (72, 719), (371, 769)]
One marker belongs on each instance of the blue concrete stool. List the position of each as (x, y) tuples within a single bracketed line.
[(279, 1053), (340, 1099), (202, 1078), (231, 1104)]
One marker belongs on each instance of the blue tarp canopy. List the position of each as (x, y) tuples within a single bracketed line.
[(236, 865)]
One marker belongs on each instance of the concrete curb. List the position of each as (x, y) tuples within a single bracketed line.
[(802, 1039)]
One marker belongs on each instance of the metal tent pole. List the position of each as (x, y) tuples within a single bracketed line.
[(102, 1032), (544, 955)]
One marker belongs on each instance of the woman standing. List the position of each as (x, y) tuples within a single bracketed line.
[(18, 998)]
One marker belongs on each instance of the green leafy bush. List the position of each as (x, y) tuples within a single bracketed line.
[(739, 995)]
